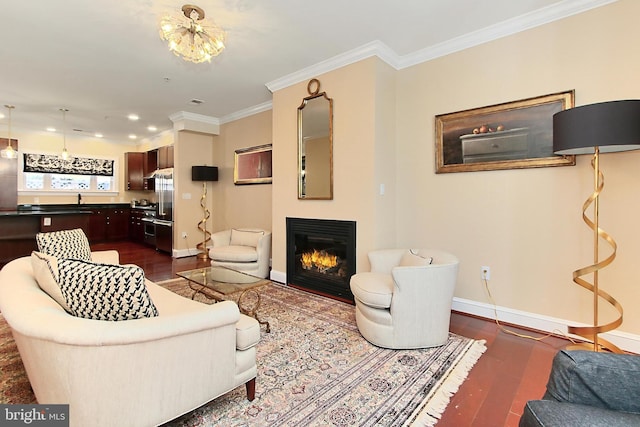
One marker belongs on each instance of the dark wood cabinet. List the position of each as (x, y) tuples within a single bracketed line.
[(118, 223), (134, 170), (136, 226), (109, 224), (98, 226), (165, 157), (139, 166)]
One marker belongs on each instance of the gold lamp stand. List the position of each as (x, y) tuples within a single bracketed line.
[(202, 226), (605, 127), (591, 332)]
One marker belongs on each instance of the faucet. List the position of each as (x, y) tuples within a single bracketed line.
[(79, 198)]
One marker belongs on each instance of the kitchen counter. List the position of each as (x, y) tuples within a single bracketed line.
[(100, 222)]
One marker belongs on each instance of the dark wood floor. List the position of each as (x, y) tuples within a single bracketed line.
[(512, 370)]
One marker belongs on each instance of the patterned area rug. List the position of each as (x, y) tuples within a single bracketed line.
[(315, 369)]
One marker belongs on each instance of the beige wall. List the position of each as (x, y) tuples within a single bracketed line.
[(190, 149), (359, 142), (524, 224), (241, 205)]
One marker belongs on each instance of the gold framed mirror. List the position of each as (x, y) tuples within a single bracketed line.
[(315, 145)]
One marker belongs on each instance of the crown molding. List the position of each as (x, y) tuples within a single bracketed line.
[(506, 28), (545, 15), (184, 120), (265, 106), (374, 48)]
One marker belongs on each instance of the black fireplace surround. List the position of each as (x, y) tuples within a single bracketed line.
[(321, 256)]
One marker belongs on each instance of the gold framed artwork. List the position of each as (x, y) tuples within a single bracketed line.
[(513, 135), (253, 165)]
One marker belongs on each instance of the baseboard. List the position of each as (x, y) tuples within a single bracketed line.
[(278, 276), (626, 341), (181, 253)]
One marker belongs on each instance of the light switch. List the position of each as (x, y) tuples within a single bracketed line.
[(47, 222), (186, 196), (382, 189)]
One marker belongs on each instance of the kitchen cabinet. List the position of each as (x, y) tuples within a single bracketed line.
[(165, 157), (134, 170), (136, 226), (109, 224), (118, 223)]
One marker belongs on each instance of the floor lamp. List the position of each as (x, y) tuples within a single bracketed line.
[(605, 127), (204, 174)]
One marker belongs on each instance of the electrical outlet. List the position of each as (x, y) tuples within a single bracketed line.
[(184, 234), (485, 272)]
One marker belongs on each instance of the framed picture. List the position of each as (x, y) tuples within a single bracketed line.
[(253, 165), (513, 135)]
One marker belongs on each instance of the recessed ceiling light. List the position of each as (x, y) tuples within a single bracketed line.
[(98, 135), (51, 129), (132, 136), (196, 101), (133, 117), (152, 128)]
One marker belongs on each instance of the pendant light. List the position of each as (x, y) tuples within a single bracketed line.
[(9, 152), (65, 154)]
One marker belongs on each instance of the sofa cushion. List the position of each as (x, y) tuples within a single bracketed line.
[(245, 237), (234, 253), (65, 244), (247, 332), (373, 289), (45, 270), (413, 258), (105, 291)]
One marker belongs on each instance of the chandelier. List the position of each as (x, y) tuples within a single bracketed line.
[(190, 36), (9, 152)]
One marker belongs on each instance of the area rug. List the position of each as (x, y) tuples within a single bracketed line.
[(315, 369)]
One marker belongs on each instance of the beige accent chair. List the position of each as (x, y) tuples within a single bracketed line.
[(247, 250), (139, 372), (404, 302)]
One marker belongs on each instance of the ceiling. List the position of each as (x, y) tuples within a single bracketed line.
[(103, 59)]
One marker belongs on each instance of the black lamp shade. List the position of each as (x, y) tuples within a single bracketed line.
[(204, 173), (611, 126)]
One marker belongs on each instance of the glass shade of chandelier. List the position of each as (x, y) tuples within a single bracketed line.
[(190, 36), (65, 153), (9, 152)]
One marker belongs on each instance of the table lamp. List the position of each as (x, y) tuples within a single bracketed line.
[(204, 174), (593, 129)]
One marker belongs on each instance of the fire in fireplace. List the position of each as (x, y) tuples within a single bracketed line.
[(321, 256)]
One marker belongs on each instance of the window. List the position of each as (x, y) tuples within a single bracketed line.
[(55, 183)]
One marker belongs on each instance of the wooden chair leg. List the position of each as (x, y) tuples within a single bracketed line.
[(251, 389)]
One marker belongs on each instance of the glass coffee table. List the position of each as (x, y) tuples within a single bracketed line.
[(220, 283)]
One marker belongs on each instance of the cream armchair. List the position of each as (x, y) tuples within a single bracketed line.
[(404, 302), (247, 250)]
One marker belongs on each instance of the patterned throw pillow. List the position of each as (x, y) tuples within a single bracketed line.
[(65, 244), (104, 291)]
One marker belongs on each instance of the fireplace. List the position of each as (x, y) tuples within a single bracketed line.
[(321, 256)]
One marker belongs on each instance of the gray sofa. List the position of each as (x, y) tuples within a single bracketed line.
[(588, 389)]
